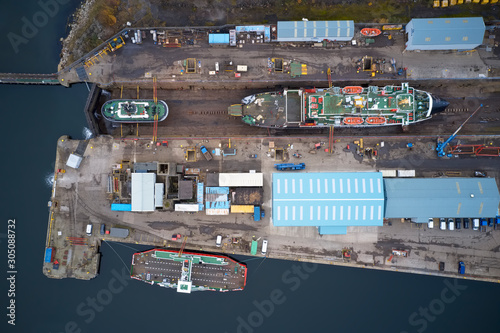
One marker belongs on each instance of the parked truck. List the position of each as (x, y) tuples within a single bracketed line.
[(206, 153), (290, 166)]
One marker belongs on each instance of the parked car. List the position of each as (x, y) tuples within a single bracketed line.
[(490, 222), (466, 223), (479, 173), (430, 224), (451, 224), (458, 223), (442, 224), (441, 266)]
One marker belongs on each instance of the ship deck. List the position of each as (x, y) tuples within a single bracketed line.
[(326, 103), (215, 272), (275, 109), (142, 110)]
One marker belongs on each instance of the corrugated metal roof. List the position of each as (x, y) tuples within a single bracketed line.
[(185, 189), (159, 191), (328, 199), (421, 198), (218, 38), (74, 161), (303, 31), (332, 230), (241, 179), (143, 192), (461, 33), (118, 232)]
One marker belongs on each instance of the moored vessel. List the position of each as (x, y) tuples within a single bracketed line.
[(134, 111), (188, 271)]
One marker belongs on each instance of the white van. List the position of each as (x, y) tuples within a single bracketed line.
[(475, 224), (430, 224), (218, 241), (264, 247), (89, 229), (217, 67)]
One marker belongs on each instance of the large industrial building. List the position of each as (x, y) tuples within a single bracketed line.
[(333, 201), (422, 198), (461, 33), (315, 31)]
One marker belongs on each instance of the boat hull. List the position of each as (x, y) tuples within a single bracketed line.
[(134, 111), (188, 271), (370, 32), (351, 106)]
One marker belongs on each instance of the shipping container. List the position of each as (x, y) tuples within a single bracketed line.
[(256, 213), (388, 173), (49, 254), (406, 173), (253, 249), (187, 207), (242, 209)]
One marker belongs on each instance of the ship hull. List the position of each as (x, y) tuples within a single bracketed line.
[(349, 107), (188, 271), (139, 111)]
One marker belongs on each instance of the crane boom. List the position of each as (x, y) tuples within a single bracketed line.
[(441, 146)]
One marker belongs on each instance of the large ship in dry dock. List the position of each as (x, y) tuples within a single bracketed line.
[(352, 106), (188, 271)]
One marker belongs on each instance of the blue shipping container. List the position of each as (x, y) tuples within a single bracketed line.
[(121, 207), (48, 254), (256, 213)]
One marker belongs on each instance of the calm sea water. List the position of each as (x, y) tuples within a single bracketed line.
[(281, 296)]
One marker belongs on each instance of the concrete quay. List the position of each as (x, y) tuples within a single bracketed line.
[(80, 197), (135, 64)]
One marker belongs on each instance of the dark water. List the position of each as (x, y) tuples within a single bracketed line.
[(281, 296)]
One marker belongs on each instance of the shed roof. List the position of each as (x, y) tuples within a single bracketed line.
[(118, 232), (462, 33), (303, 31), (218, 38), (74, 161), (332, 230), (185, 189), (421, 198), (143, 192), (328, 199), (241, 179)]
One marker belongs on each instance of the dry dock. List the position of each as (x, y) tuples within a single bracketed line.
[(82, 196)]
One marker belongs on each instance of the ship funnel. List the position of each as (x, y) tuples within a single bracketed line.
[(438, 105)]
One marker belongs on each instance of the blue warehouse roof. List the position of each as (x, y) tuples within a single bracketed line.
[(218, 39), (315, 31), (464, 33), (328, 199), (441, 197)]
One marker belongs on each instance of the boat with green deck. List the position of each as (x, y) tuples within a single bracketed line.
[(352, 106), (188, 271), (134, 111)]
